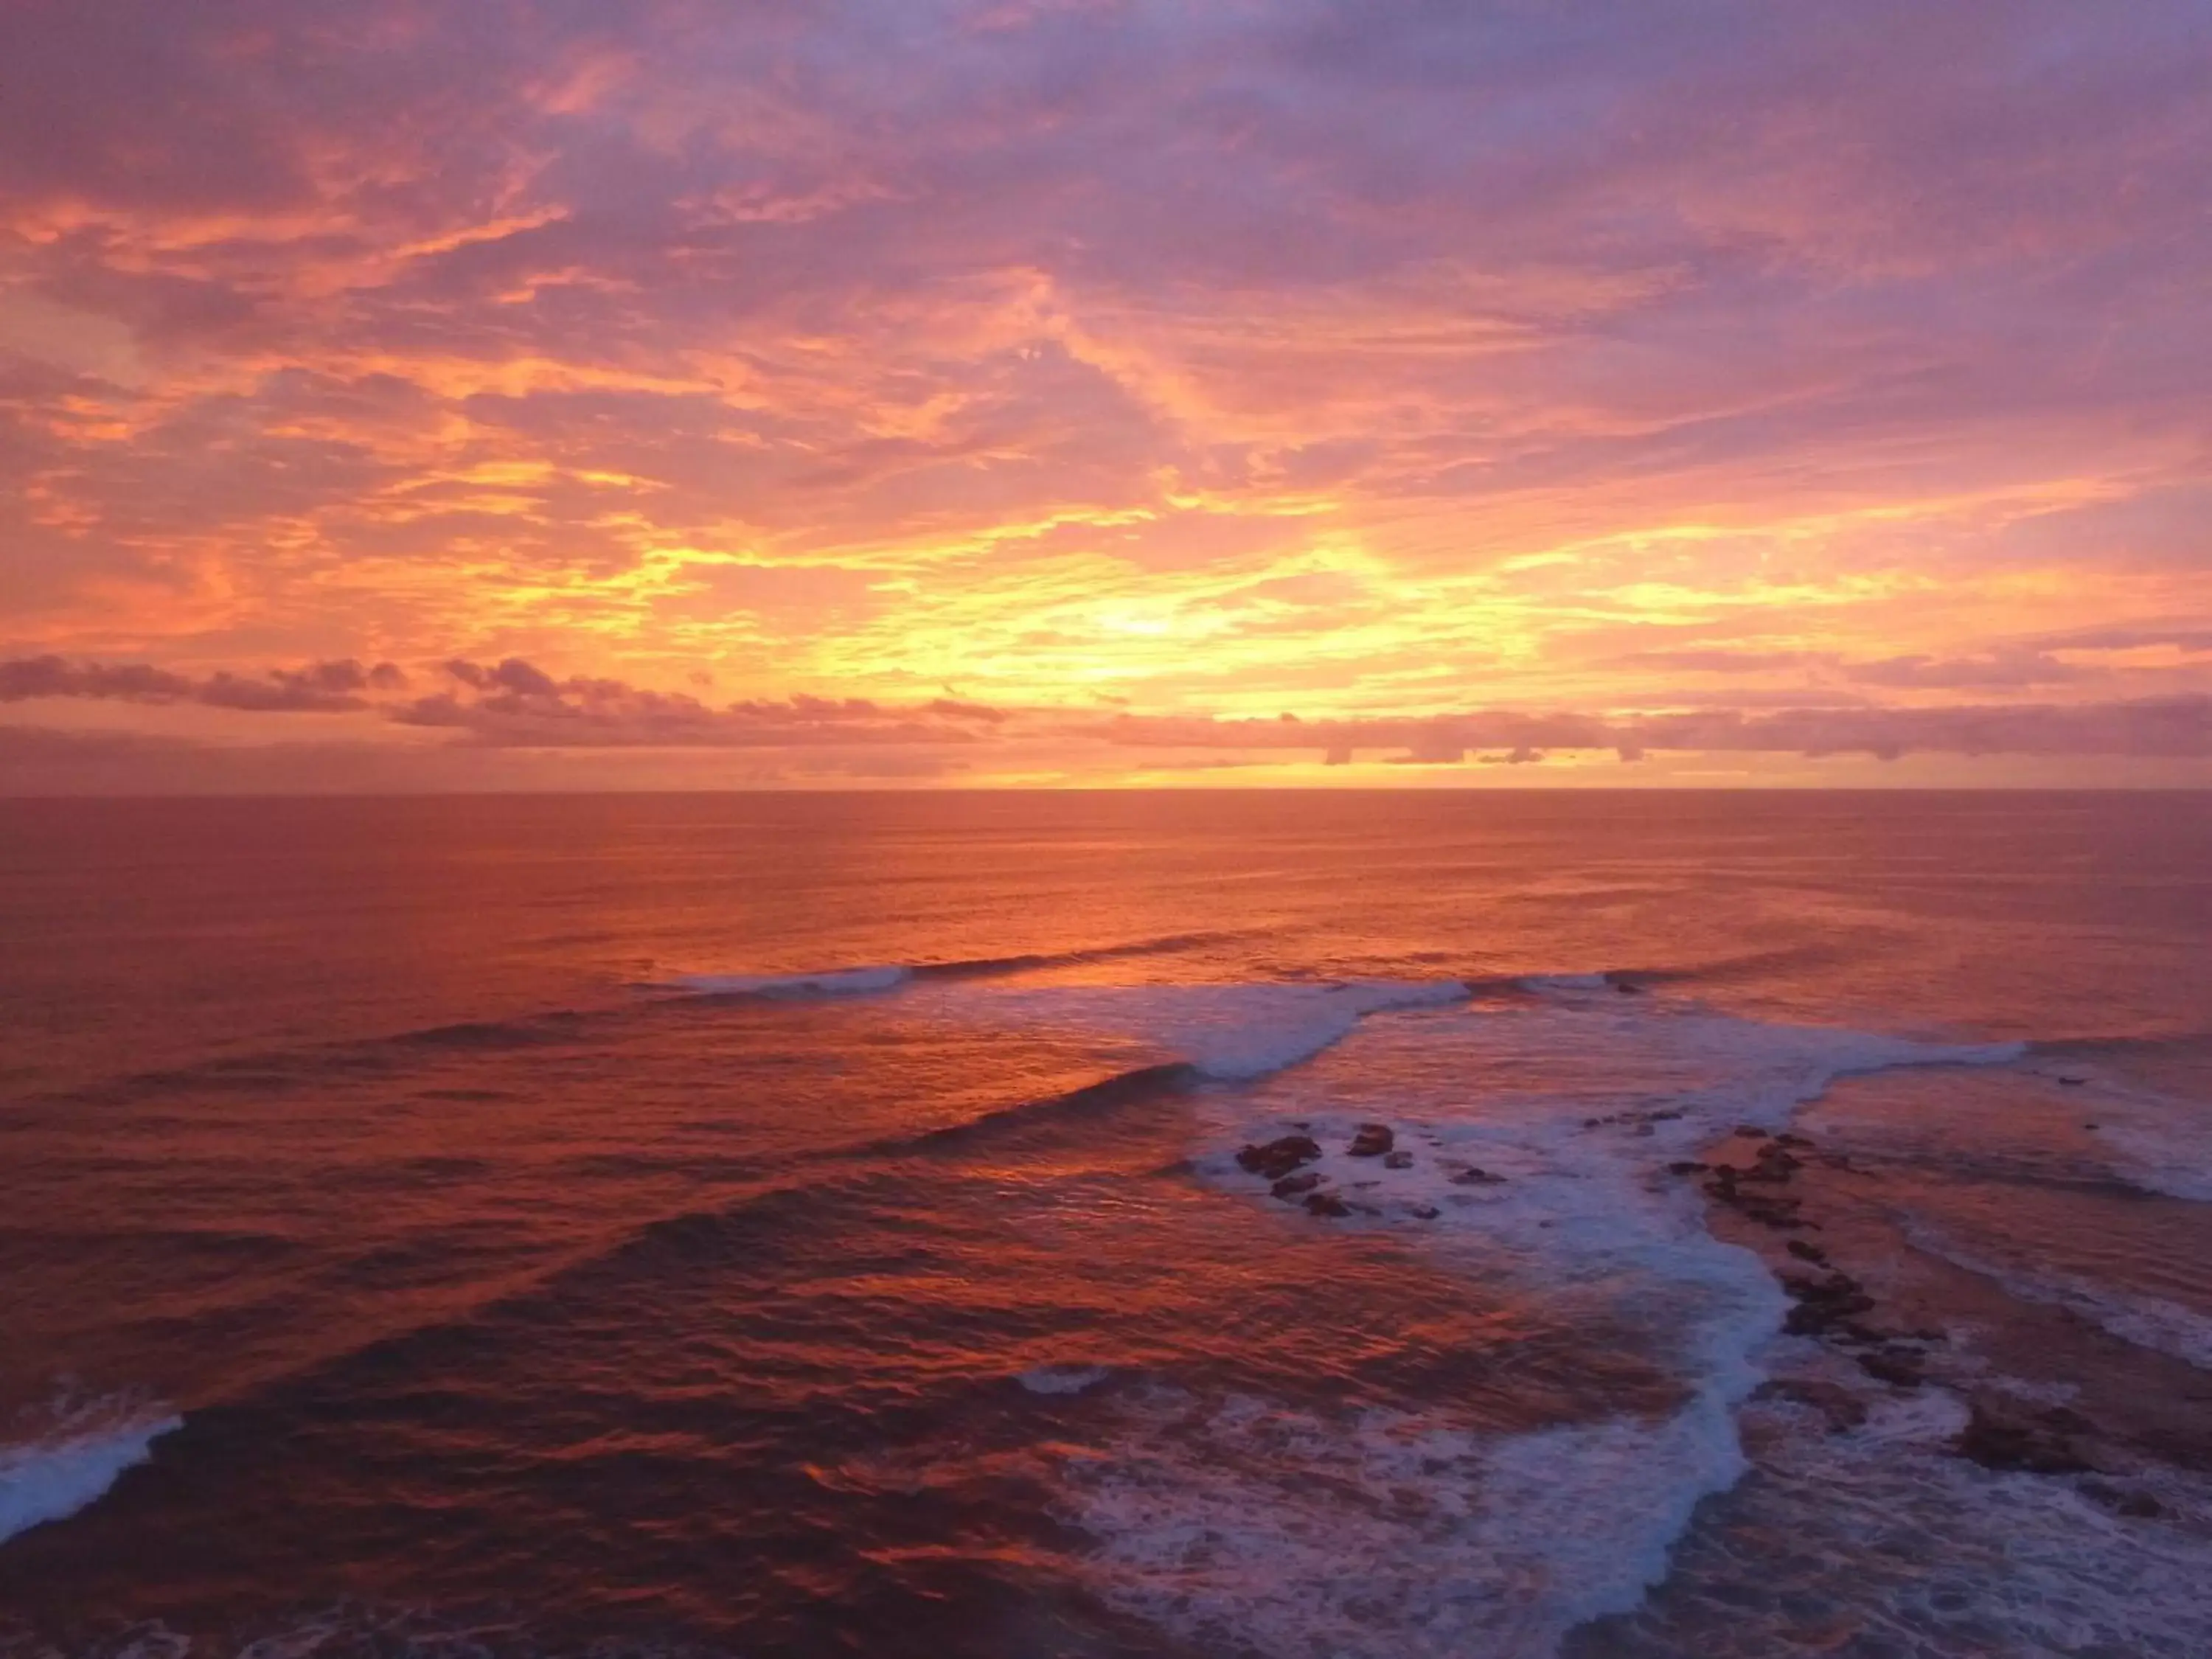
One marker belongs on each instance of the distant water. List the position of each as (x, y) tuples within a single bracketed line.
[(813, 1225)]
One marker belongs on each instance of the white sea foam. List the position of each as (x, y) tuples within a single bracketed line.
[(1538, 1137), (1569, 982), (2160, 1143), (1243, 1524), (73, 1454), (1229, 1032), (1062, 1379), (834, 982), (1879, 1540)]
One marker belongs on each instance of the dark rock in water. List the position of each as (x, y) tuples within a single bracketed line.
[(1474, 1175), (1626, 989), (1773, 1163), (1422, 1212), (1898, 1369), (1864, 1336), (1398, 1160), (1791, 1141), (1768, 1209), (1326, 1204), (1823, 1303), (1843, 1409), (1372, 1141), (1999, 1434), (1687, 1166), (2138, 1505), (1279, 1158), (1292, 1186), (1804, 1252), (1750, 1132), (2073, 1082)]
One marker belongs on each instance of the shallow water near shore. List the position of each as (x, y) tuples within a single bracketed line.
[(815, 1226)]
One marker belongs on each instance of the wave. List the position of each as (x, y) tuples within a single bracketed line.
[(2146, 1322), (1246, 1524), (72, 1456), (274, 1070), (1531, 1141), (874, 978), (830, 982), (1231, 1032)]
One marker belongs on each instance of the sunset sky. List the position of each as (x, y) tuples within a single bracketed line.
[(451, 393)]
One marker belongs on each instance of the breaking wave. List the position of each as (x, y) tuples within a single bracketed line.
[(71, 1454)]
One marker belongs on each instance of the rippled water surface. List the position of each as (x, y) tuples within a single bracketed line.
[(814, 1224)]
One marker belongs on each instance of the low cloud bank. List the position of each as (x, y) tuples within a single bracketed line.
[(2171, 727), (321, 688), (515, 704)]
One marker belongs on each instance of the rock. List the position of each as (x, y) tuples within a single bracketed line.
[(1899, 1369), (1372, 1141), (2073, 1082), (1687, 1166), (1326, 1204), (1774, 1164), (1999, 1434), (1804, 1252), (1843, 1409), (1292, 1186), (1626, 989), (1474, 1175), (1422, 1212), (1398, 1160), (1791, 1141), (2138, 1505), (1279, 1158), (1767, 1209), (1750, 1132), (1823, 1303)]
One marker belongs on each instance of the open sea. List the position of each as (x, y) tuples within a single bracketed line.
[(1668, 1224)]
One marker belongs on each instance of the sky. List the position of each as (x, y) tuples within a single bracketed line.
[(429, 394)]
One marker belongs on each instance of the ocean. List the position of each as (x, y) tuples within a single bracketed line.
[(1194, 1223)]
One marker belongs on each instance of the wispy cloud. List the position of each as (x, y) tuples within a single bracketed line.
[(1302, 353)]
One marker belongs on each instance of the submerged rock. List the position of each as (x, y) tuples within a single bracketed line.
[(1398, 1160), (1823, 1303), (1843, 1409), (1276, 1158), (1326, 1204), (1291, 1186), (1372, 1141), (1898, 1368), (2136, 1505), (2000, 1435)]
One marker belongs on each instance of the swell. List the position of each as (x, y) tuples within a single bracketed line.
[(872, 979), (2122, 1046), (762, 1230), (991, 967), (274, 1070)]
